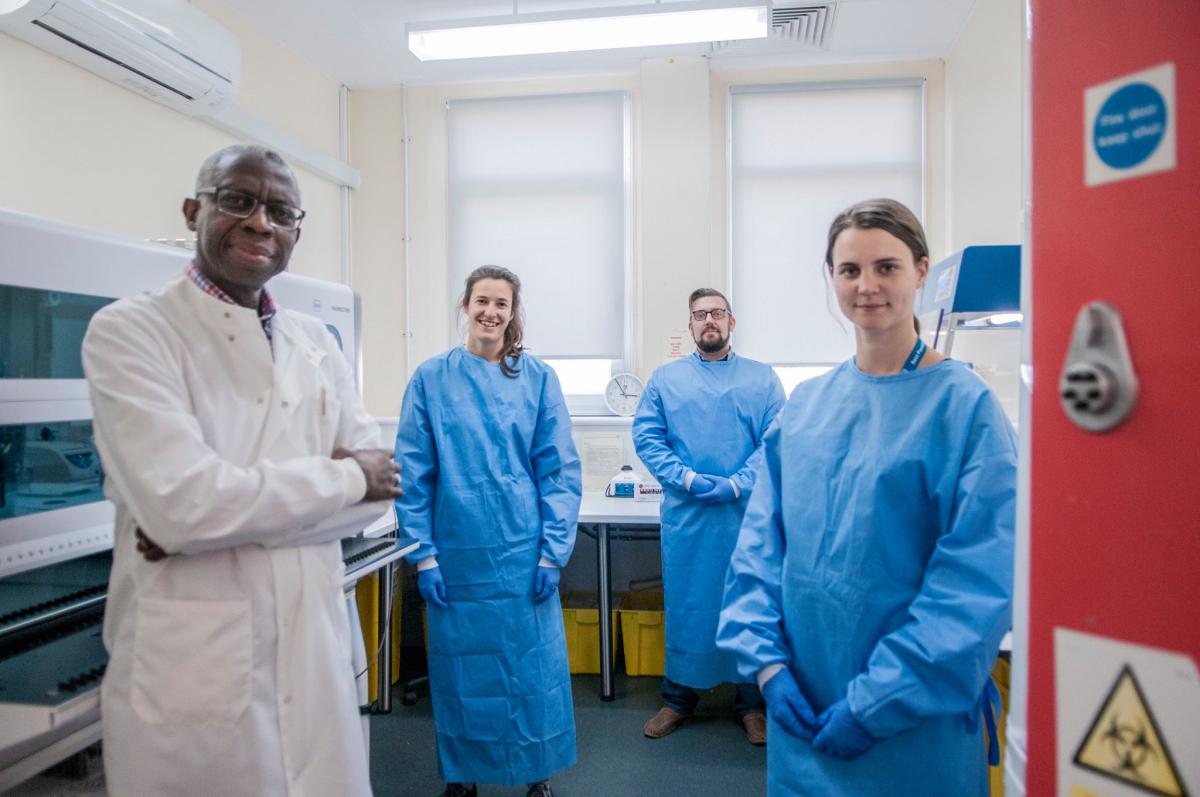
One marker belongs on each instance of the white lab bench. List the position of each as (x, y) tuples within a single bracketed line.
[(38, 731), (375, 550), (606, 519)]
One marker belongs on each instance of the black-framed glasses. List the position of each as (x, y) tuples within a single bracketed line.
[(717, 314), (241, 205)]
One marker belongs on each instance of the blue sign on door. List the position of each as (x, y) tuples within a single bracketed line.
[(1130, 125)]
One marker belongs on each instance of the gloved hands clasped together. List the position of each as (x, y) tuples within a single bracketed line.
[(836, 732), (787, 705), (712, 489), (841, 734)]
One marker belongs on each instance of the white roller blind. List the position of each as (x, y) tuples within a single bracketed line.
[(799, 156), (538, 185)]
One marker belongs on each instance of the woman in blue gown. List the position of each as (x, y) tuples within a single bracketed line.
[(492, 488), (872, 581)]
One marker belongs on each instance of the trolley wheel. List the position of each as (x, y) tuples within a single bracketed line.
[(410, 699)]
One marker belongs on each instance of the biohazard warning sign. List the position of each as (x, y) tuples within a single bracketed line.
[(1125, 743)]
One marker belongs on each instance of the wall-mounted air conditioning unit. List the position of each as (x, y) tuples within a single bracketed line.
[(166, 50)]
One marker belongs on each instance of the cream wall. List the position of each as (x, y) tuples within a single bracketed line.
[(676, 200), (76, 148), (678, 157), (376, 142), (79, 149), (933, 72), (984, 110), (377, 231)]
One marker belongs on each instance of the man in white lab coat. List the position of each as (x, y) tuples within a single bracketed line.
[(238, 453)]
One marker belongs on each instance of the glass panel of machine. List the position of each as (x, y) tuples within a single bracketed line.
[(42, 331), (46, 466)]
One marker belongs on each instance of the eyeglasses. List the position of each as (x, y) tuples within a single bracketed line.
[(717, 314), (241, 205)]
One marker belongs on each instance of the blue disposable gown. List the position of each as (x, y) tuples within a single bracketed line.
[(708, 417), (876, 561), (491, 486)]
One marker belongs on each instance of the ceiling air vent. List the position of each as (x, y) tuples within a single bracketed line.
[(793, 27), (809, 25)]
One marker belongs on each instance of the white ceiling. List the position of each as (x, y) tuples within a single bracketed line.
[(361, 43)]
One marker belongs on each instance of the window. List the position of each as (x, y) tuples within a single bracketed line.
[(792, 375), (798, 156), (540, 185), (582, 378)]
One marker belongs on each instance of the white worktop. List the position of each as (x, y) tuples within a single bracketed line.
[(597, 508)]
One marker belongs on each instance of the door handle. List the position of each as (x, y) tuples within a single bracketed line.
[(1098, 387)]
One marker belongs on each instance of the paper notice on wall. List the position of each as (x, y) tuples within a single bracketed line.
[(679, 345), (603, 454)]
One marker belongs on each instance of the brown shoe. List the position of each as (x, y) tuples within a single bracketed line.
[(664, 723), (756, 729)]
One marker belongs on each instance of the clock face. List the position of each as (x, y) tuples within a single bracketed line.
[(623, 393)]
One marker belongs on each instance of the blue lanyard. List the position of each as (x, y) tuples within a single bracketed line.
[(914, 357)]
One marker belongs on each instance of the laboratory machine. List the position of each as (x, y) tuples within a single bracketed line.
[(970, 309), (55, 524)]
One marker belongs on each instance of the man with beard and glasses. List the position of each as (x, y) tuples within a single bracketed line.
[(697, 428)]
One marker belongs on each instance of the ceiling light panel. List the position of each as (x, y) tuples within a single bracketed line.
[(596, 29)]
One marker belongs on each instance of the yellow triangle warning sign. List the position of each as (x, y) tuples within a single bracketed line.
[(1124, 742)]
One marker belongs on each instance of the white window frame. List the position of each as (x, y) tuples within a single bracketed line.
[(592, 404), (828, 85)]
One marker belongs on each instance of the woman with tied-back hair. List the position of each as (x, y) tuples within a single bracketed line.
[(872, 579), (492, 491)]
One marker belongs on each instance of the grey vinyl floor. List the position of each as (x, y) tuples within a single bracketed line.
[(708, 756)]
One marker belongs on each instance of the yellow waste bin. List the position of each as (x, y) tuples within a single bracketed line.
[(1000, 675), (581, 623), (366, 594), (644, 633)]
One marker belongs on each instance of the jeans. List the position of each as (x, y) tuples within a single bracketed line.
[(749, 699)]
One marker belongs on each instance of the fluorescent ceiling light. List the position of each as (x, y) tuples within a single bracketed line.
[(595, 29)]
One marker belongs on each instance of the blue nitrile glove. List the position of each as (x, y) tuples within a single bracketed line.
[(432, 587), (721, 493), (787, 706), (841, 734), (545, 583), (700, 484)]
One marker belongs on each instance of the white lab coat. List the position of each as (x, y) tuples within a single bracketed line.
[(229, 670)]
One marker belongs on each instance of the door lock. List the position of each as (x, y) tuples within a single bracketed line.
[(1098, 387)]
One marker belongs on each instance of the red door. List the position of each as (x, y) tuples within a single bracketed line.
[(1115, 516)]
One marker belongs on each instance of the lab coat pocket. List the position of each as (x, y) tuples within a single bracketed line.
[(331, 414), (192, 661), (316, 419)]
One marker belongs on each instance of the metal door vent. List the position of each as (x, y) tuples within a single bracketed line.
[(793, 26)]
